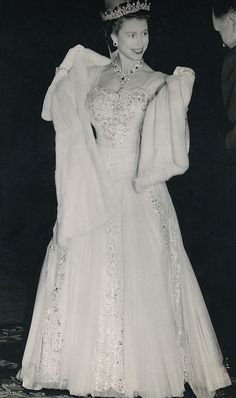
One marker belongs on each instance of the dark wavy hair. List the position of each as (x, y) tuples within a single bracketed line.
[(222, 7), (115, 25)]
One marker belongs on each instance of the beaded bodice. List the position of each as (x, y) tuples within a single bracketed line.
[(117, 116)]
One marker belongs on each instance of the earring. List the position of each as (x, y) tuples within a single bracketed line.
[(115, 44)]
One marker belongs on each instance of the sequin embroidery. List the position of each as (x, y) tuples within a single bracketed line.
[(109, 356), (169, 229), (113, 111), (52, 340)]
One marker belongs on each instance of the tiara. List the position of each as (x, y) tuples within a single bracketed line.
[(129, 8)]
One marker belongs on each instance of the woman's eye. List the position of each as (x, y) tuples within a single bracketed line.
[(132, 35), (145, 33)]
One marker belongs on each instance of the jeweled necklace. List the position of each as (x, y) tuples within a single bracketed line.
[(125, 77)]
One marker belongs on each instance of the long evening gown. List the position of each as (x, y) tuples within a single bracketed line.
[(119, 311)]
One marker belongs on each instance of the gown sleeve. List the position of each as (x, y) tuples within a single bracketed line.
[(165, 135)]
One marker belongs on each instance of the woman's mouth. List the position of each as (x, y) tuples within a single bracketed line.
[(138, 50)]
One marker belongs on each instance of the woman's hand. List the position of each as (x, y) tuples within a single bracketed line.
[(186, 77), (92, 58), (69, 58)]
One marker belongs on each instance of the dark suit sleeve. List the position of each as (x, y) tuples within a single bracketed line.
[(229, 87)]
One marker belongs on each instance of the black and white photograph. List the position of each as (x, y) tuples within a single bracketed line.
[(118, 198)]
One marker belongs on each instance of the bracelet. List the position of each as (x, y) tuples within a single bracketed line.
[(61, 68)]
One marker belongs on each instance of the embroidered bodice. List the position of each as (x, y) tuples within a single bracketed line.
[(117, 116)]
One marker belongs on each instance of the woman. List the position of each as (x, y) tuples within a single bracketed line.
[(118, 310)]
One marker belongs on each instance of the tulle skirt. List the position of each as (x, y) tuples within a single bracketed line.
[(119, 311)]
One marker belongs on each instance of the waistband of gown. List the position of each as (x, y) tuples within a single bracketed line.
[(134, 148)]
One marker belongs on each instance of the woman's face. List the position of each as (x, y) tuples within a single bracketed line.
[(132, 38), (226, 26)]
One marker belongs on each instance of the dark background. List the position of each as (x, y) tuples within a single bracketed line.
[(35, 36)]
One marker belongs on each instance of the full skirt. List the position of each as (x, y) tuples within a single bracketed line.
[(119, 311)]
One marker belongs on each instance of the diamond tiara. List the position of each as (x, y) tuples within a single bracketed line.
[(129, 8)]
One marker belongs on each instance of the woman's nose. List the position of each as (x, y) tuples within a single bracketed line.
[(139, 41)]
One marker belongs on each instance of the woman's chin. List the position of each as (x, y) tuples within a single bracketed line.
[(136, 56)]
